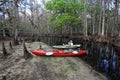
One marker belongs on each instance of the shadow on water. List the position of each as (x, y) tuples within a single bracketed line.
[(103, 57)]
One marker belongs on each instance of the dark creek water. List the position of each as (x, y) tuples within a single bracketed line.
[(103, 57)]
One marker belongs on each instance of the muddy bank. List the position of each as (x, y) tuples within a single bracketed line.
[(15, 67)]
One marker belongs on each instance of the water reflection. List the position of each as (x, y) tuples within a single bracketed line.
[(102, 57)]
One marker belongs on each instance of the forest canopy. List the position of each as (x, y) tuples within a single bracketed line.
[(90, 16), (38, 17)]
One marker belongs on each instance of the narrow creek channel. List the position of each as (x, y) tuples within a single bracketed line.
[(103, 57)]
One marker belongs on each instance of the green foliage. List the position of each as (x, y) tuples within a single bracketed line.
[(65, 12), (63, 18), (49, 5), (59, 5)]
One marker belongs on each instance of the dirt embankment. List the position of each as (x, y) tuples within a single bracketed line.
[(15, 67)]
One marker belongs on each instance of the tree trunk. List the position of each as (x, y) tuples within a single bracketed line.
[(3, 21), (116, 16), (93, 24), (108, 20), (16, 42), (85, 19), (71, 31), (100, 18), (4, 34), (119, 34), (103, 20), (103, 25), (16, 13)]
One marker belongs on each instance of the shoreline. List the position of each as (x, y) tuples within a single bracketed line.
[(69, 68), (114, 41)]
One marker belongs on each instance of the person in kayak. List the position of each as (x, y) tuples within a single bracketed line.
[(70, 43)]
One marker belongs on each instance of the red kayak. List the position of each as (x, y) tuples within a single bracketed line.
[(59, 53)]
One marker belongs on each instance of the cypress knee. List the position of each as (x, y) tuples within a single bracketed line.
[(4, 49), (40, 46), (10, 46), (4, 78), (27, 55)]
